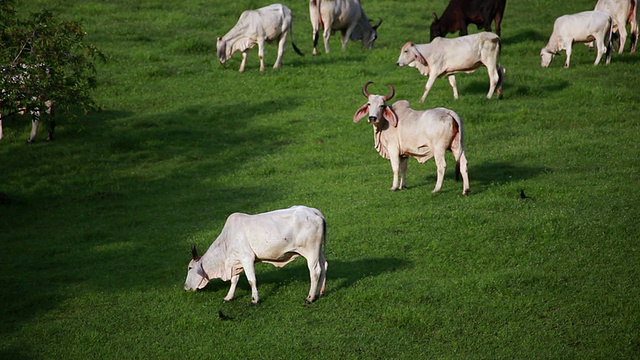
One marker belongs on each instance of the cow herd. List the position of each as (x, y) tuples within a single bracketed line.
[(399, 131)]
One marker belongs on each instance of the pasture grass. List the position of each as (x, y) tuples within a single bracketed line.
[(95, 240)]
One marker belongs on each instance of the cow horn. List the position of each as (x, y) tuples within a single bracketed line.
[(194, 252), (375, 27), (390, 96), (435, 16), (364, 89)]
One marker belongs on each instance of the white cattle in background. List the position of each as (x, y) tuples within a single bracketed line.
[(582, 27), (623, 12), (346, 16), (264, 25), (446, 57)]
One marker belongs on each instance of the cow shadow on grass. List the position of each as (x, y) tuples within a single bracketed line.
[(502, 173), (540, 89), (525, 35), (340, 275)]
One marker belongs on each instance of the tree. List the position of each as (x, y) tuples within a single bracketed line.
[(44, 58)]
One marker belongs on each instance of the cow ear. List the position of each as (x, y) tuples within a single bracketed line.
[(391, 116), (435, 16), (361, 113), (194, 253)]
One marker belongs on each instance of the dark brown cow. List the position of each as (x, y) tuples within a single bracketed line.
[(460, 13)]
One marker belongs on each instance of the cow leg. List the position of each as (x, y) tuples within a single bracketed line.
[(314, 16), (325, 37), (345, 35), (498, 20), (461, 163), (633, 29), (281, 45), (622, 30), (600, 49), (261, 53), (441, 166), (315, 274), (395, 167), (494, 79), (568, 50), (427, 87), (232, 289), (250, 273), (244, 61), (403, 172), (452, 82)]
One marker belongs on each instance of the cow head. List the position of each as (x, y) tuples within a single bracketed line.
[(377, 108), (223, 53), (435, 29), (197, 278), (366, 32), (409, 55), (545, 57)]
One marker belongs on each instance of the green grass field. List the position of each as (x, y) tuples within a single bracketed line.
[(95, 242)]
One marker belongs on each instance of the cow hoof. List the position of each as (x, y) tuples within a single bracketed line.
[(310, 300), (466, 192)]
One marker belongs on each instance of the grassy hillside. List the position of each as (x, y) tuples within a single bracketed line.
[(95, 242)]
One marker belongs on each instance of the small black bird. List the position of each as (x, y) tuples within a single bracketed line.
[(524, 196), (223, 317)]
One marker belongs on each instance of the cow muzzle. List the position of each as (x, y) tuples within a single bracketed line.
[(373, 119)]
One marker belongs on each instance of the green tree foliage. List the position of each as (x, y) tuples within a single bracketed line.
[(44, 58)]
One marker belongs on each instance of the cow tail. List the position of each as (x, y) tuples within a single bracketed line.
[(500, 69), (295, 48), (608, 41), (458, 141)]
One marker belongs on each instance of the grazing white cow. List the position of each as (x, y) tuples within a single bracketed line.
[(583, 27), (446, 57), (622, 12), (346, 16), (400, 132), (266, 24), (276, 237)]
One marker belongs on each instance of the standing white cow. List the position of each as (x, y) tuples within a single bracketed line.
[(623, 12), (400, 132), (275, 237), (266, 24), (445, 57), (346, 16), (583, 27)]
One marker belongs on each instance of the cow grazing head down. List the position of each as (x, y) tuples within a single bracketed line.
[(223, 53), (367, 35), (377, 108), (197, 278), (545, 57)]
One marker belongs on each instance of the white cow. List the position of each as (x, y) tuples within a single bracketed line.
[(583, 27), (623, 12), (276, 237), (266, 24), (346, 16), (445, 57), (400, 132)]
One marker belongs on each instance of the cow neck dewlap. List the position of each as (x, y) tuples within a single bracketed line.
[(380, 145), (239, 44)]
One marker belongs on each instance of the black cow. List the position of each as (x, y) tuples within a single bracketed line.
[(460, 13)]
